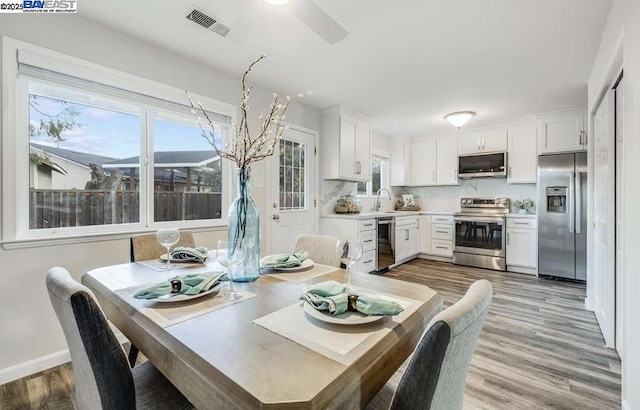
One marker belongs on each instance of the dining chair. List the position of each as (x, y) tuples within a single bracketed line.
[(321, 248), (437, 371), (146, 247), (103, 379)]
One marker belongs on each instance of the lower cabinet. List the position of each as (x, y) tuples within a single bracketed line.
[(436, 235), (522, 245), (406, 238), (349, 227), (424, 234)]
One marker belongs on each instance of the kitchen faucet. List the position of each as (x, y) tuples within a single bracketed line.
[(377, 204)]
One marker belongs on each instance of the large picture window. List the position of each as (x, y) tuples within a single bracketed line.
[(96, 157)]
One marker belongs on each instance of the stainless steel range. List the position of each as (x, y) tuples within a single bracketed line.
[(480, 234)]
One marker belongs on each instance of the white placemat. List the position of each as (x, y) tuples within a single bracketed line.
[(302, 276), (160, 266), (167, 314), (341, 343)]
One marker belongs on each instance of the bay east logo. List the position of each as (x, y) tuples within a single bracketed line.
[(49, 6)]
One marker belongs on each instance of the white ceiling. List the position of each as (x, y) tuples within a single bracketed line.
[(405, 63)]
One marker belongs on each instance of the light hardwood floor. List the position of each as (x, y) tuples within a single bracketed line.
[(539, 348)]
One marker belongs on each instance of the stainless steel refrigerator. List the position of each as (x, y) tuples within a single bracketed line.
[(562, 216)]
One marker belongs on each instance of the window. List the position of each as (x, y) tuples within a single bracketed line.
[(292, 160), (97, 157), (379, 177)]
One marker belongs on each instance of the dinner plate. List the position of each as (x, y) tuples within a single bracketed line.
[(182, 297), (346, 318), (306, 264), (163, 258)]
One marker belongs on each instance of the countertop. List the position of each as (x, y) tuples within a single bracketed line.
[(372, 215), (524, 216)]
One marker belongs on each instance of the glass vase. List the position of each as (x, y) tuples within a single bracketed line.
[(244, 224)]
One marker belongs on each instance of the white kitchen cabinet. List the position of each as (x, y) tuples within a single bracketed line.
[(424, 234), (349, 227), (481, 143), (522, 157), (562, 132), (406, 238), (442, 235), (400, 163), (522, 245), (345, 145), (423, 163), (447, 161)]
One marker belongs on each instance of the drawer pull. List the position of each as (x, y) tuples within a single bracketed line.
[(445, 232), (367, 224), (369, 261), (521, 223), (441, 247), (368, 240)]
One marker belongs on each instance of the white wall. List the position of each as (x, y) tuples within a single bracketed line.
[(624, 23), (447, 198), (30, 330)]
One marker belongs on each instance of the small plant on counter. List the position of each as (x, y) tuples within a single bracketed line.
[(523, 205)]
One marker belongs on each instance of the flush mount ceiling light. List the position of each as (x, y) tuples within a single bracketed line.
[(458, 119), (277, 2)]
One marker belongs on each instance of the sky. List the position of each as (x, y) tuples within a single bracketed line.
[(114, 134)]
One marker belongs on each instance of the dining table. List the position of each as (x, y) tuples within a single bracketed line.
[(265, 350)]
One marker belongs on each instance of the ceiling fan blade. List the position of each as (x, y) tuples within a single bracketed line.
[(317, 20)]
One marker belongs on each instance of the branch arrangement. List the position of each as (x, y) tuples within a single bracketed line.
[(244, 149)]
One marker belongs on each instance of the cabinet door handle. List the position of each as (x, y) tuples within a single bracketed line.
[(369, 261), (455, 174), (482, 142), (368, 240), (580, 137), (433, 176), (406, 234), (478, 144)]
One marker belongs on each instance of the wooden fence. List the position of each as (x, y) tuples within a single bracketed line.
[(54, 208)]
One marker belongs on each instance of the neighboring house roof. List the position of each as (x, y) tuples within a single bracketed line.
[(81, 158), (178, 159)]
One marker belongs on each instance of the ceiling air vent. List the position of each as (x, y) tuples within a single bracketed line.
[(208, 22)]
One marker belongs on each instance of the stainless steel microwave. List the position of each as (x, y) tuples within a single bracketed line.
[(492, 165)]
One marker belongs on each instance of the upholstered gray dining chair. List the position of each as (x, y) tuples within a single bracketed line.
[(146, 247), (437, 372), (103, 379), (321, 248)]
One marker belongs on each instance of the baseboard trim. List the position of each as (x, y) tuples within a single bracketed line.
[(24, 369), (30, 367)]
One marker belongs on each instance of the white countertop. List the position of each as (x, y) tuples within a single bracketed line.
[(524, 216), (371, 215)]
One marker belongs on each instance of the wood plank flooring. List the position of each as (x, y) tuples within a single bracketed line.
[(539, 349)]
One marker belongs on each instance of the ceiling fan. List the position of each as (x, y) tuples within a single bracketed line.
[(306, 11)]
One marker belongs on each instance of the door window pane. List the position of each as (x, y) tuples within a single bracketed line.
[(293, 189), (70, 147)]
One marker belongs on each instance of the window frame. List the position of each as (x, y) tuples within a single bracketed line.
[(15, 151), (384, 178)]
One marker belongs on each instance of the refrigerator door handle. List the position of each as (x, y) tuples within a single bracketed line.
[(578, 196), (571, 202)]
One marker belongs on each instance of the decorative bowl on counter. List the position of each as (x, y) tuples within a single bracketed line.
[(348, 204)]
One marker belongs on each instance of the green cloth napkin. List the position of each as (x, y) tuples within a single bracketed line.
[(192, 284), (198, 254), (333, 297), (285, 261)]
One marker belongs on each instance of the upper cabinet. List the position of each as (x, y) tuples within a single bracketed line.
[(562, 132), (345, 145), (482, 143), (432, 161), (400, 162), (522, 159)]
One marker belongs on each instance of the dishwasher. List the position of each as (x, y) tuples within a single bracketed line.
[(385, 251)]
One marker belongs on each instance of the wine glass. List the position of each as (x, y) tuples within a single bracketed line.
[(168, 237), (349, 251), (230, 254)]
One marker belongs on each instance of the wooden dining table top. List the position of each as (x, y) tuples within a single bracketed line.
[(222, 359)]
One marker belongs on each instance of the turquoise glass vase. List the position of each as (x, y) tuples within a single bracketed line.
[(244, 224)]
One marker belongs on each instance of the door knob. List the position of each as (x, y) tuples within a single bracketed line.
[(275, 217)]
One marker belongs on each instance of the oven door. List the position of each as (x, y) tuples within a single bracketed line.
[(480, 235)]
